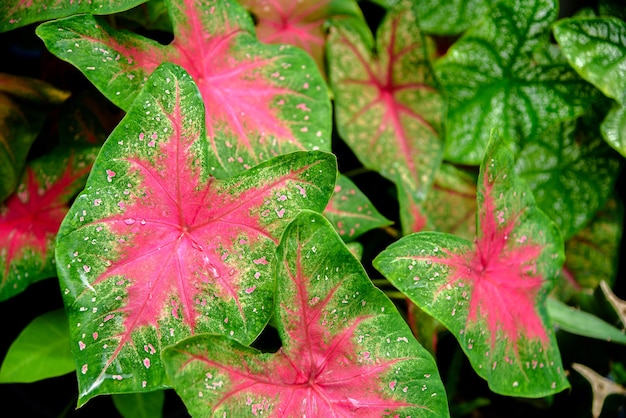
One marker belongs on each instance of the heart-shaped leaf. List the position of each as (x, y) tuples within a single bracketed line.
[(387, 109), (346, 350), (491, 293), (261, 100), (156, 249), (351, 212), (596, 48), (17, 13), (492, 81), (30, 217)]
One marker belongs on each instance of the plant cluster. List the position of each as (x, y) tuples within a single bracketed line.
[(314, 208)]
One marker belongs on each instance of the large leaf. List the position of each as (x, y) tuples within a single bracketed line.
[(23, 106), (596, 48), (387, 109), (492, 80), (156, 249), (17, 13), (30, 217), (571, 170), (41, 351), (260, 100), (346, 350), (300, 23), (446, 17), (491, 293), (351, 212)]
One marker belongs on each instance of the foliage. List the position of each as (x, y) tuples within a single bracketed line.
[(313, 208)]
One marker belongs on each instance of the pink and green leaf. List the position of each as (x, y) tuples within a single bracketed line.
[(156, 249), (346, 350), (32, 215), (492, 80), (23, 106), (491, 293), (17, 13), (351, 212), (300, 23), (260, 100), (387, 108)]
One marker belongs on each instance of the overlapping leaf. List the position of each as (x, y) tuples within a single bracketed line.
[(346, 350), (596, 48), (23, 106), (387, 109), (156, 249), (351, 212), (492, 81), (30, 217), (445, 17), (261, 100), (491, 293), (17, 13)]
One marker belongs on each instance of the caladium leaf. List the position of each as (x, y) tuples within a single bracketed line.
[(571, 170), (300, 23), (596, 48), (346, 350), (387, 109), (351, 212), (261, 100), (156, 249), (23, 105), (17, 13), (445, 17), (30, 217), (492, 81), (491, 293)]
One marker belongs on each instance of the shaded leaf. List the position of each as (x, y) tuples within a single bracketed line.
[(17, 13), (156, 249), (41, 351), (260, 100), (491, 293), (346, 350), (492, 81), (140, 405), (351, 212), (23, 105), (30, 217), (387, 108)]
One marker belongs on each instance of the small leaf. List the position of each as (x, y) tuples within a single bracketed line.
[(30, 217), (260, 100), (17, 13), (346, 350), (41, 351), (492, 81), (491, 293), (583, 323), (140, 405), (156, 249), (387, 108), (351, 212)]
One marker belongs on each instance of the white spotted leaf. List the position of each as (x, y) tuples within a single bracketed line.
[(155, 249), (346, 350), (491, 293)]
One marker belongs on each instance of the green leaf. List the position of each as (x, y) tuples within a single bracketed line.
[(446, 17), (491, 293), (596, 48), (492, 81), (346, 350), (156, 249), (351, 212), (387, 108), (583, 323), (140, 405), (17, 13), (42, 350), (24, 103)]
